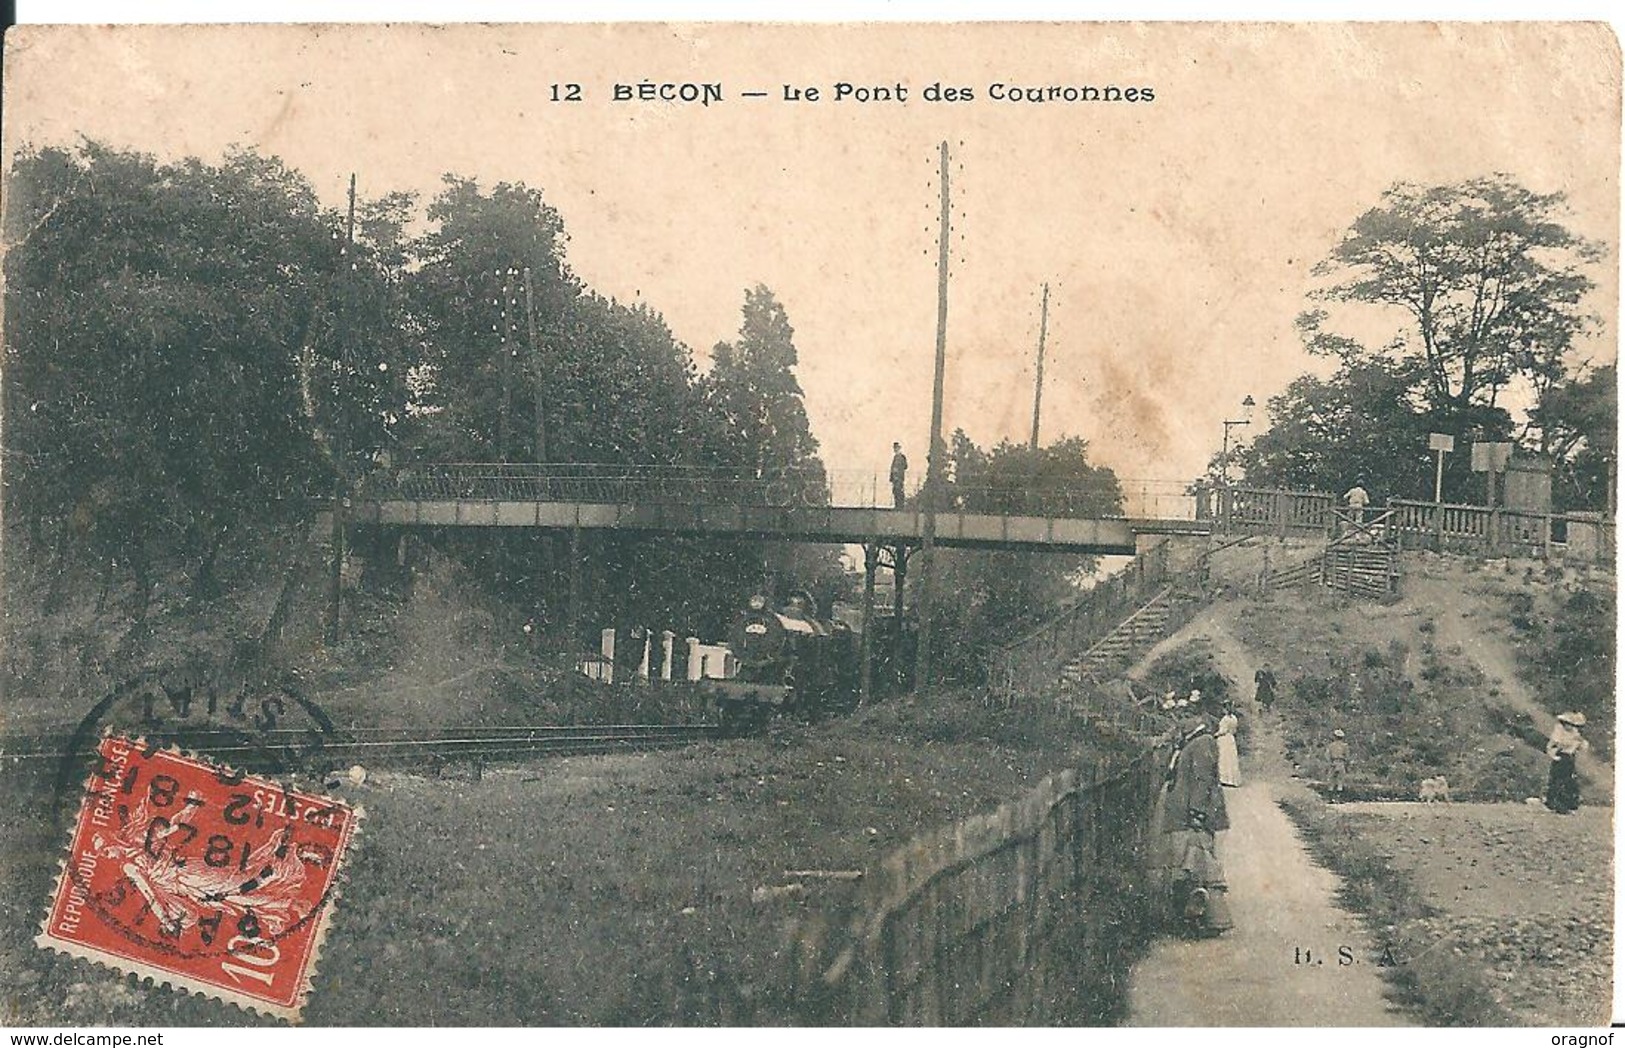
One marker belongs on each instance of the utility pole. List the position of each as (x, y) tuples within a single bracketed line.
[(1038, 385), (538, 449), (933, 467), (539, 444), (505, 349), (341, 484)]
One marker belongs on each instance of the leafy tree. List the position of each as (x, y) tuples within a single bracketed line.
[(1489, 281), (153, 317), (1578, 422), (1363, 425), (752, 383), (487, 396), (628, 391), (600, 382), (752, 391), (996, 594)]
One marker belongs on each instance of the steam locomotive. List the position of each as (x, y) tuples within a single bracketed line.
[(788, 660)]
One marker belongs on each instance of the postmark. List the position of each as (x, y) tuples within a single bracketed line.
[(214, 881)]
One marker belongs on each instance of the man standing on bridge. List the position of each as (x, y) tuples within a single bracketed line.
[(899, 470)]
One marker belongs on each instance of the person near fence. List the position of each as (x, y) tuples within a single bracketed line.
[(1357, 500), (1229, 755), (899, 471), (1337, 762), (1193, 813), (1563, 783)]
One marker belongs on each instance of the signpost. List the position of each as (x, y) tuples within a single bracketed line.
[(1442, 444)]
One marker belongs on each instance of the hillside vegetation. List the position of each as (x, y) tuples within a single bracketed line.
[(1451, 679)]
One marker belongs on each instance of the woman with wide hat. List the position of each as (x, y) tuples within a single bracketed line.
[(1562, 783)]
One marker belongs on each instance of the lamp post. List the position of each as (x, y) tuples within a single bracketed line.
[(1245, 420)]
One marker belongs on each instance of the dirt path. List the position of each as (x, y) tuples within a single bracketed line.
[(1258, 974), (1496, 662)]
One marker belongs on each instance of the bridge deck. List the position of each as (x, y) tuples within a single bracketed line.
[(830, 524)]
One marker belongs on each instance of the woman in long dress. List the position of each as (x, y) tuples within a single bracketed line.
[(1563, 784), (1193, 812), (1229, 757)]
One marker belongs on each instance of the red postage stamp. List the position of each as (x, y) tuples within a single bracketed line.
[(213, 881)]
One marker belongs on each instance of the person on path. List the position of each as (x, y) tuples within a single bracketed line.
[(1337, 758), (1264, 685), (899, 471), (1193, 812), (1562, 784), (1229, 755)]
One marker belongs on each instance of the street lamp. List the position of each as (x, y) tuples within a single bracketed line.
[(1245, 420)]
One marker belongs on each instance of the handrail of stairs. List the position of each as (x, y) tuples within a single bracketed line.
[(1143, 610)]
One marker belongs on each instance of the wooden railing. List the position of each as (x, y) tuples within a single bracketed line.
[(1416, 524), (1479, 529), (1268, 510)]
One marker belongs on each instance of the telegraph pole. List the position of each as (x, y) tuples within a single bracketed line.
[(933, 468), (341, 483), (1038, 386), (539, 439)]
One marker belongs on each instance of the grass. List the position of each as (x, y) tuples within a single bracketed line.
[(593, 891), (1411, 707), (1430, 978)]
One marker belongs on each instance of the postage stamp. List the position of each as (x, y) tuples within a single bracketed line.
[(213, 881)]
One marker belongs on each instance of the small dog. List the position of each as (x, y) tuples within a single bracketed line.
[(1435, 789)]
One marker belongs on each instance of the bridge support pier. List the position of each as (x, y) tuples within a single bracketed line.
[(899, 569), (871, 561), (572, 613)]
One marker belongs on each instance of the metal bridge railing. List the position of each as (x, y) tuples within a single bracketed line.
[(640, 484)]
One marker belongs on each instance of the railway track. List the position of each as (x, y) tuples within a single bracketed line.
[(386, 746)]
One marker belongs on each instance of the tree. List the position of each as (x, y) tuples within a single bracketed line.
[(996, 594), (1489, 281), (1361, 425), (488, 393), (153, 317), (1578, 421), (752, 383), (564, 375), (753, 390), (1366, 425)]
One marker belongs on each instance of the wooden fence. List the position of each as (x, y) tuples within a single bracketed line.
[(1022, 917), (1268, 511), (1448, 526), (1501, 532)]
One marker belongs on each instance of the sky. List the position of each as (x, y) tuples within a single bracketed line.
[(1177, 236)]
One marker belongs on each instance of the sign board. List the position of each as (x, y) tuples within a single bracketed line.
[(1491, 456), (1441, 442)]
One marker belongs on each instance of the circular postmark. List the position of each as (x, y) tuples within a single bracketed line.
[(196, 851)]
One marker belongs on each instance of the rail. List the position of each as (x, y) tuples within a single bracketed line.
[(1031, 663), (605, 483), (1273, 510), (390, 745)]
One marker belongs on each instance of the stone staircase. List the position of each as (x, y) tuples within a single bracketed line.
[(1132, 637)]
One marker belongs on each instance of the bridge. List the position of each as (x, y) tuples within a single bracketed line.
[(1027, 514), (676, 501)]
